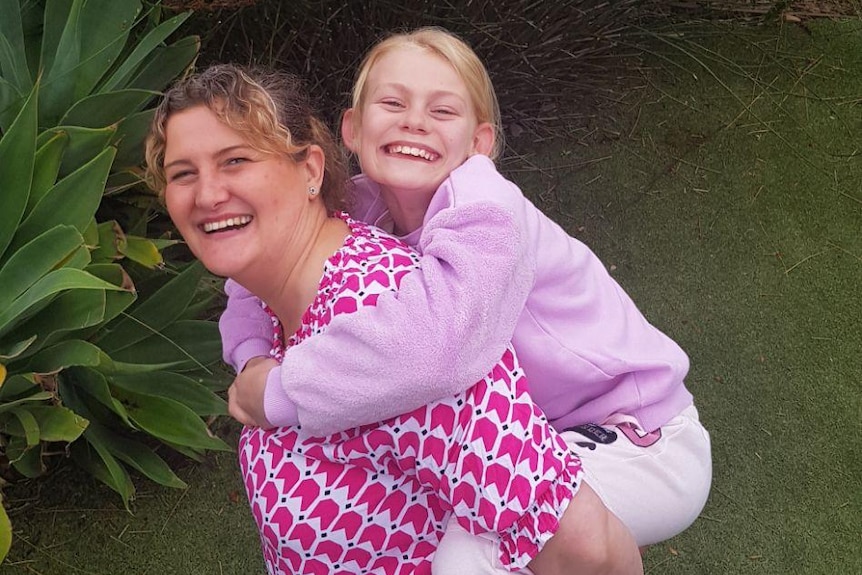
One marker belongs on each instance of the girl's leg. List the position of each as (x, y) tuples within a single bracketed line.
[(656, 483), (590, 540)]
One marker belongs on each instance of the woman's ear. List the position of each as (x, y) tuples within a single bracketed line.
[(483, 139), (349, 130), (315, 162)]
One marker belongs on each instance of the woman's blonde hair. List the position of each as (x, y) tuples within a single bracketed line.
[(459, 55), (270, 109)]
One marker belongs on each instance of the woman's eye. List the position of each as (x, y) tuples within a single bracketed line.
[(179, 175), (235, 161)]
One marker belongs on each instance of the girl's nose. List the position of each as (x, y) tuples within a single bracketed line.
[(414, 120)]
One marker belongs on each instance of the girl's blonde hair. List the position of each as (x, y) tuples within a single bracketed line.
[(270, 109), (459, 55)]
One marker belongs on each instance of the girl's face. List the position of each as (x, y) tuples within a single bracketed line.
[(236, 207), (418, 124)]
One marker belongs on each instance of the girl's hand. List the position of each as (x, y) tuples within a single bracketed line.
[(245, 395)]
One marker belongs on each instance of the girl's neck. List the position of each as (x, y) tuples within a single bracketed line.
[(407, 209)]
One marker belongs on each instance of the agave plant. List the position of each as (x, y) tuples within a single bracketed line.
[(100, 348)]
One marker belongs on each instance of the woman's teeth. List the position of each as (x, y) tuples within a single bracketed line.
[(236, 222), (415, 152)]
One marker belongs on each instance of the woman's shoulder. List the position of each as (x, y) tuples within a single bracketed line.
[(369, 248)]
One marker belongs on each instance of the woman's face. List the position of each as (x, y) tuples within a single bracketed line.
[(236, 207), (418, 123)]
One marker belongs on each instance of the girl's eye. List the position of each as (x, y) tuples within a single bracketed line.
[(392, 103), (445, 112)]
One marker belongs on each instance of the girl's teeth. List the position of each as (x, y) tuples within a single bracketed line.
[(415, 152)]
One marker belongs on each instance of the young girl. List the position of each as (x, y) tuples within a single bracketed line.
[(493, 268)]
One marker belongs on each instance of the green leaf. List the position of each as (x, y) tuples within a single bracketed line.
[(84, 145), (174, 386), (57, 423), (154, 314), (109, 236), (24, 425), (72, 201), (95, 457), (141, 53), (65, 354), (78, 379), (38, 396), (17, 157), (55, 16), (183, 345), (105, 26), (170, 420), (13, 350), (142, 251), (10, 103), (17, 386), (34, 260), (130, 139), (69, 312), (47, 168), (47, 287), (26, 461), (59, 82), (5, 531), (115, 301), (167, 63), (139, 456), (13, 60), (101, 110)]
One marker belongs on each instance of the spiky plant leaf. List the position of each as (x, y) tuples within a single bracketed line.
[(141, 55), (17, 157), (73, 201), (179, 387), (47, 167)]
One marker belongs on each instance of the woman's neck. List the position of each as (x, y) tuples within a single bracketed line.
[(289, 286)]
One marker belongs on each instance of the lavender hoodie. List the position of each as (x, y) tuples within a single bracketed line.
[(493, 268)]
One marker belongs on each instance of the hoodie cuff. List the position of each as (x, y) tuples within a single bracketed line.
[(277, 408), (244, 351)]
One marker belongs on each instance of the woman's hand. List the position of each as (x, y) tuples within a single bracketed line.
[(245, 395)]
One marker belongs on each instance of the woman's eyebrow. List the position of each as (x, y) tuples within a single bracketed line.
[(221, 152)]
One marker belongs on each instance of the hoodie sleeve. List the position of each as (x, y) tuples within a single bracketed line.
[(443, 330), (246, 330)]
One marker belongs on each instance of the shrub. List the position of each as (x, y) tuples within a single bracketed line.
[(101, 353)]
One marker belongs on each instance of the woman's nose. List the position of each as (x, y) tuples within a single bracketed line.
[(211, 192)]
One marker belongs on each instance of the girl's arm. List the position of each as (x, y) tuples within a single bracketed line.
[(246, 330), (441, 332)]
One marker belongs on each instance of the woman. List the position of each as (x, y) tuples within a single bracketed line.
[(252, 181)]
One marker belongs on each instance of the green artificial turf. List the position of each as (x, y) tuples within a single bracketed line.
[(725, 194)]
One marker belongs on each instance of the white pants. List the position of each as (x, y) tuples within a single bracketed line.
[(656, 483)]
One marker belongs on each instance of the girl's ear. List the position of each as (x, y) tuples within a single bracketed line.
[(315, 162), (349, 131), (483, 139)]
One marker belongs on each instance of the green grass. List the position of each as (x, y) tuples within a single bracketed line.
[(725, 193)]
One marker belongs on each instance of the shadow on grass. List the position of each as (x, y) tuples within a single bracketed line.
[(725, 194)]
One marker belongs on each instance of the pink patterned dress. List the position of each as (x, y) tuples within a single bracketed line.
[(376, 499)]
